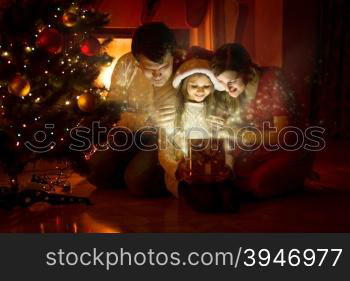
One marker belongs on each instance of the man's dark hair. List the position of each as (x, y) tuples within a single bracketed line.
[(153, 40)]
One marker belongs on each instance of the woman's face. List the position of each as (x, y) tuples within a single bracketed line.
[(198, 87), (233, 82)]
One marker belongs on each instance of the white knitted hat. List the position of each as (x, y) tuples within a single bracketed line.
[(194, 66)]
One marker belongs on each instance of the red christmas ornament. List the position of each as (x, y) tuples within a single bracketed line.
[(50, 40), (90, 47)]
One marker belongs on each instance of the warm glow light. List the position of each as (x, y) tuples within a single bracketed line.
[(116, 49), (97, 226)]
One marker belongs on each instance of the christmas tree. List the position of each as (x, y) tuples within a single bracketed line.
[(49, 61)]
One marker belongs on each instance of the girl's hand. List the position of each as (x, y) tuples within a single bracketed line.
[(217, 123)]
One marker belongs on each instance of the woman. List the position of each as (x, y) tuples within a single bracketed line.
[(259, 98)]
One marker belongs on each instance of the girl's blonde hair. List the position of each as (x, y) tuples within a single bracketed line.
[(182, 97)]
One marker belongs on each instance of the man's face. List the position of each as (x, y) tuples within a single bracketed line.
[(199, 87), (157, 73), (233, 83)]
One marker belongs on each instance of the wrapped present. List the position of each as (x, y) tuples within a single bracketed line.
[(207, 159)]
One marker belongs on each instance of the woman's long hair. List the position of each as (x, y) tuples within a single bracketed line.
[(235, 57)]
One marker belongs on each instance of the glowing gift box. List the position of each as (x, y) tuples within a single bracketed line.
[(208, 159)]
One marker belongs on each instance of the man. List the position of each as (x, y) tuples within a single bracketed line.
[(141, 83), (141, 80)]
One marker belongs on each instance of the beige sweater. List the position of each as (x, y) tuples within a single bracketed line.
[(139, 99)]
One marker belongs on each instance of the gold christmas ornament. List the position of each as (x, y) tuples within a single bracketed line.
[(87, 102), (69, 19), (19, 86)]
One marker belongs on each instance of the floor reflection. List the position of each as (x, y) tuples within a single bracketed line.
[(54, 220)]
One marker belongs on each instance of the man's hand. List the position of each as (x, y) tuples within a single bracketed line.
[(165, 116)]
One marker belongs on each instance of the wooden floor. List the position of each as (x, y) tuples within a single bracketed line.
[(323, 207)]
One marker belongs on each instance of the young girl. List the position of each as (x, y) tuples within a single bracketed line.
[(195, 103)]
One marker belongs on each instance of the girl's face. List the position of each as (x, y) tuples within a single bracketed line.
[(233, 83), (199, 86)]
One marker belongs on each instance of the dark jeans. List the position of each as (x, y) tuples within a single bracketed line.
[(137, 167)]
